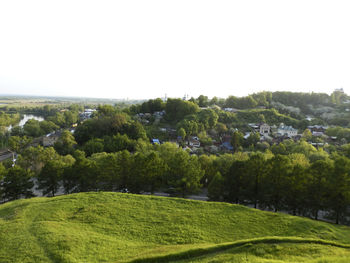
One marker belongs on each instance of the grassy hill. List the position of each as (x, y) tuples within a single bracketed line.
[(113, 227)]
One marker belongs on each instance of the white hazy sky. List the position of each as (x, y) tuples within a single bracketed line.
[(144, 49)]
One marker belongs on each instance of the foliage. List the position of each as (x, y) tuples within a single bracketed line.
[(118, 143), (301, 100), (93, 146), (109, 124), (177, 109), (50, 177), (149, 106), (252, 139), (66, 143), (237, 140), (17, 144), (271, 116), (7, 119), (339, 132), (34, 158), (241, 103), (17, 184)]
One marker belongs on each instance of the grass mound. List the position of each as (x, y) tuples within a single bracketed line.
[(287, 252), (113, 227)]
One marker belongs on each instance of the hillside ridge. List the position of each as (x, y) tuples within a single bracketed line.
[(115, 227)]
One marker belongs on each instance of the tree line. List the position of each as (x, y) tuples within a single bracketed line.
[(287, 182), (292, 182)]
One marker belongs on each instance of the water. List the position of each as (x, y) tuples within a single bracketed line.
[(26, 117)]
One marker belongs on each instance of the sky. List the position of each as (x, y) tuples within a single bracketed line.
[(146, 49)]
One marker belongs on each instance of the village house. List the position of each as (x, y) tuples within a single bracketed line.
[(317, 130), (87, 114), (155, 141), (212, 149), (226, 143), (172, 133), (262, 128), (231, 109), (284, 130), (159, 113), (50, 139), (254, 127), (226, 146), (246, 135), (194, 142)]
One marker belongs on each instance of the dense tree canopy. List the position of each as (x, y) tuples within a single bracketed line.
[(177, 109)]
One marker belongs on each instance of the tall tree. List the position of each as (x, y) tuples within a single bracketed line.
[(177, 109), (17, 184), (255, 171), (275, 181), (17, 144), (296, 189), (50, 177), (2, 174), (234, 182), (317, 185), (107, 170), (338, 199), (216, 188), (66, 143), (237, 140)]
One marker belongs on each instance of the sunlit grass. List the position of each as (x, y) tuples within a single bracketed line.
[(113, 227), (279, 252)]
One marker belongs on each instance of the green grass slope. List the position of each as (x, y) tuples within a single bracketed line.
[(113, 227), (277, 252)]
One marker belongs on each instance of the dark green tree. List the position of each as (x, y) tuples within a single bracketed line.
[(275, 181), (216, 188), (50, 177), (66, 143), (253, 139), (237, 140), (32, 128), (93, 146), (234, 186), (338, 198), (255, 172), (203, 101), (316, 195), (17, 184), (177, 109)]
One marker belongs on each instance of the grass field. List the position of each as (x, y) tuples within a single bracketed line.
[(113, 227)]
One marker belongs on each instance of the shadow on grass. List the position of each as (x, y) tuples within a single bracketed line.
[(197, 252)]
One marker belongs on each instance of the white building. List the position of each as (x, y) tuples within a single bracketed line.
[(264, 128), (287, 130), (231, 109)]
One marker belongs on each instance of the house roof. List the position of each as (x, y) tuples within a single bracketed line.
[(317, 127), (247, 134), (155, 141), (286, 128), (227, 145)]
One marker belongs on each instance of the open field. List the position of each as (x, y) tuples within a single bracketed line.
[(36, 101), (113, 227)]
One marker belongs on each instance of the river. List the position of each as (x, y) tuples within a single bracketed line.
[(26, 117)]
